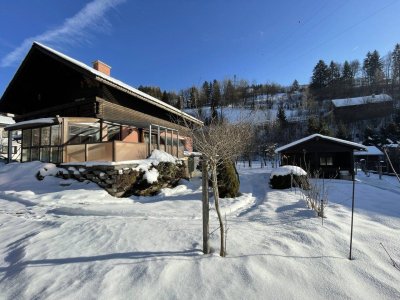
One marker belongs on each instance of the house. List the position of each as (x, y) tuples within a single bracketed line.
[(328, 156), (370, 159), (363, 108), (6, 120), (71, 112)]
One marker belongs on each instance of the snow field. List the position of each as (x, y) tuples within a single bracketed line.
[(78, 242)]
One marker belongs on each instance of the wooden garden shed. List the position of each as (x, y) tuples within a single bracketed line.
[(321, 155)]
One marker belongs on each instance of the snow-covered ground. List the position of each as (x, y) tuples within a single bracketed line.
[(71, 240)]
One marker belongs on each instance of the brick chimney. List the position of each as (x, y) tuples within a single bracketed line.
[(102, 67)]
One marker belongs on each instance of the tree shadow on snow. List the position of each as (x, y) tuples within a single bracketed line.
[(16, 266)]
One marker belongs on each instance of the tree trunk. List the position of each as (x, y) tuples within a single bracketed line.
[(206, 207), (216, 199)]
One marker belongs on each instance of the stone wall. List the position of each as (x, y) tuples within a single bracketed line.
[(126, 179)]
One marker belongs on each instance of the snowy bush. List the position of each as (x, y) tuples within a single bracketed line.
[(228, 179), (289, 176)]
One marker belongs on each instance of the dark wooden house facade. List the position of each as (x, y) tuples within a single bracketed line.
[(363, 108), (70, 112), (323, 155)]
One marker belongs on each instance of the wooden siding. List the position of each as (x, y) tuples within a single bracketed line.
[(116, 113), (364, 111)]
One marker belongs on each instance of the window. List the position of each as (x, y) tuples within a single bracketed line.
[(26, 137), (83, 133), (113, 132), (38, 144), (55, 135), (326, 161), (36, 137), (45, 136)]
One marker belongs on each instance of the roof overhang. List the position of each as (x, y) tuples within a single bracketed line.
[(33, 123)]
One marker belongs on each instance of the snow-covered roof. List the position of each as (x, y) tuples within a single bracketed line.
[(4, 120), (371, 150), (112, 81), (323, 137), (361, 100), (35, 122)]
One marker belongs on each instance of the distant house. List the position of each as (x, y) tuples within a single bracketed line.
[(370, 158), (330, 157), (363, 108), (5, 121), (70, 112)]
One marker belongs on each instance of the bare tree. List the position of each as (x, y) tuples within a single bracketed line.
[(218, 142)]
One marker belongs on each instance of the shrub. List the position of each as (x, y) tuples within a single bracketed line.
[(289, 176), (228, 179)]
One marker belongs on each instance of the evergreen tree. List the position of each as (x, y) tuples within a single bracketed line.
[(228, 179), (347, 74), (194, 97), (373, 67), (295, 86), (396, 64), (334, 73), (342, 132), (205, 93), (215, 99), (165, 97), (318, 126), (281, 116), (229, 94), (320, 76), (312, 125)]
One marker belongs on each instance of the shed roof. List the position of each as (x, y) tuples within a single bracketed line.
[(371, 150), (361, 100), (323, 137)]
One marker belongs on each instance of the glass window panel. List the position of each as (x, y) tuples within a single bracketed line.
[(45, 136), (26, 137), (56, 135), (329, 161), (35, 136), (45, 154), (113, 132), (82, 133), (26, 155), (34, 154), (55, 155), (322, 161)]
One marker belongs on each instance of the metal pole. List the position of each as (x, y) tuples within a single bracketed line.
[(352, 217), (9, 148), (158, 137), (205, 208), (149, 139)]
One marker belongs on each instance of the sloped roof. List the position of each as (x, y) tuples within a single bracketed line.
[(116, 83), (371, 150), (361, 100), (323, 137)]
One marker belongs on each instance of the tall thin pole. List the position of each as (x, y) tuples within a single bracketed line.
[(206, 208), (352, 216)]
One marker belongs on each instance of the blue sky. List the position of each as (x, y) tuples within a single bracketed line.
[(177, 43)]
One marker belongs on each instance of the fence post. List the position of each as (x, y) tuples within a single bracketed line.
[(205, 206), (352, 216)]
